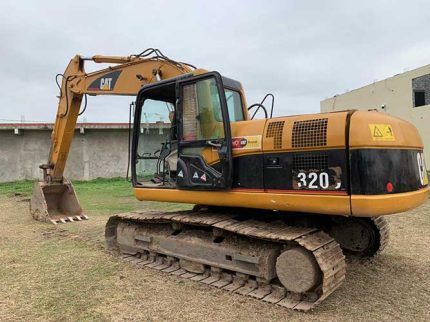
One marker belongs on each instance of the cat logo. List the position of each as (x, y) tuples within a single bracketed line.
[(105, 84)]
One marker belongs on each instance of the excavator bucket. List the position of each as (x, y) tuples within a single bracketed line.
[(55, 203)]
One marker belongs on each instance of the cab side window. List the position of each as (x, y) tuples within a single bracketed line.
[(202, 114), (234, 105)]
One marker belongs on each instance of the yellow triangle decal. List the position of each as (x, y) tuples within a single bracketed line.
[(377, 133)]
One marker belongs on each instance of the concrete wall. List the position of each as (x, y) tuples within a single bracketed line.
[(395, 96), (96, 153)]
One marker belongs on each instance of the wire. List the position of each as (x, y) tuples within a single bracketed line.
[(67, 98), (85, 105), (159, 55), (56, 80), (258, 108), (273, 102), (68, 78), (261, 105), (156, 53)]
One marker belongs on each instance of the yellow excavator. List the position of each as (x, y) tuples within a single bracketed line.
[(279, 200)]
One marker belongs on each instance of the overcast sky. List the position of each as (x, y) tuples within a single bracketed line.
[(301, 51)]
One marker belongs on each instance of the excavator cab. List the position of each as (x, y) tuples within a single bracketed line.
[(195, 151), (157, 147)]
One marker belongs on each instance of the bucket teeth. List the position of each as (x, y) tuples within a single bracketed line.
[(65, 220)]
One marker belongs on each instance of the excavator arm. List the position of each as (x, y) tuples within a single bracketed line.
[(54, 199), (126, 78)]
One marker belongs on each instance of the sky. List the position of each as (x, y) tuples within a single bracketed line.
[(301, 51)]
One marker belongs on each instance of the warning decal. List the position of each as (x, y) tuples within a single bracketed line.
[(381, 132), (246, 142)]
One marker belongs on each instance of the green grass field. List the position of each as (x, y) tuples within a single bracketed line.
[(64, 273), (110, 195), (61, 272)]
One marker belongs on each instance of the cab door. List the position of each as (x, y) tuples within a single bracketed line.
[(204, 140)]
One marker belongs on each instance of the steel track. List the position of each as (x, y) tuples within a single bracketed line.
[(325, 249)]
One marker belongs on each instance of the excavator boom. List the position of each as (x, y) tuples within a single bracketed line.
[(54, 199)]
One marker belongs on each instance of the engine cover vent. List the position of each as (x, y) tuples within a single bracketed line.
[(310, 133), (274, 130), (310, 161)]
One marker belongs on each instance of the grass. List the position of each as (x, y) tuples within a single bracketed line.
[(109, 195), (18, 187), (63, 273), (117, 186)]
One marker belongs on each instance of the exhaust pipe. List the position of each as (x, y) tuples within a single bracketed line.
[(55, 203)]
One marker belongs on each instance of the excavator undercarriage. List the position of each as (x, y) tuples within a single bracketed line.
[(291, 266), (274, 260)]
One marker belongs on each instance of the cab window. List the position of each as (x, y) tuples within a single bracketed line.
[(234, 105), (202, 115)]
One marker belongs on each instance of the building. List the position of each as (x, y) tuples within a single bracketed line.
[(405, 95), (99, 150)]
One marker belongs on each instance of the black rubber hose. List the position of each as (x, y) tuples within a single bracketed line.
[(259, 106), (85, 105)]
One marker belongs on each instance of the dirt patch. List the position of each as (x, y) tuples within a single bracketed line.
[(64, 273)]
